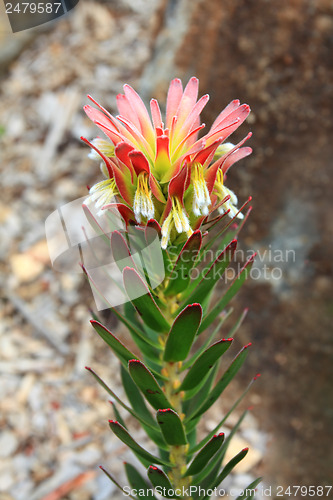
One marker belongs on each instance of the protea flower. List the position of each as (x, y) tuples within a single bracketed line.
[(164, 171)]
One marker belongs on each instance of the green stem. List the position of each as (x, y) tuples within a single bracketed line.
[(177, 454)]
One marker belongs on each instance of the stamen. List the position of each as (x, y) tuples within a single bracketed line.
[(104, 146), (222, 192), (102, 193), (143, 204), (201, 198)]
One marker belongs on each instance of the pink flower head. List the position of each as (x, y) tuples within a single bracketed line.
[(163, 170)]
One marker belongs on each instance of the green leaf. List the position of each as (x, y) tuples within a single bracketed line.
[(180, 275), (135, 331), (197, 447), (117, 347), (238, 323), (214, 274), (143, 301), (223, 382), (117, 414), (231, 291), (116, 482), (205, 454), (224, 315), (171, 427), (135, 414), (228, 468), (182, 333), (189, 395), (209, 473), (189, 407), (134, 397), (159, 479), (204, 363), (148, 385), (137, 482), (127, 439), (249, 492)]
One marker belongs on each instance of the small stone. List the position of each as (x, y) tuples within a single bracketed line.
[(8, 444), (25, 267)]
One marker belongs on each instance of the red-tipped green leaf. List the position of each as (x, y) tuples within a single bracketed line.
[(117, 347), (224, 315), (197, 447), (204, 364), (182, 333), (117, 415), (205, 454), (137, 482), (127, 439), (159, 479), (136, 400), (171, 427), (143, 301), (228, 468), (148, 385), (134, 414), (209, 473), (223, 382)]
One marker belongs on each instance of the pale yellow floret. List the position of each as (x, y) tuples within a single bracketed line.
[(177, 218), (102, 193), (104, 147), (143, 204), (201, 198), (222, 192)]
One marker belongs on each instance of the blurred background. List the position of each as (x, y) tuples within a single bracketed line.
[(277, 57)]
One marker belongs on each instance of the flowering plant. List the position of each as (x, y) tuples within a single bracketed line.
[(164, 177)]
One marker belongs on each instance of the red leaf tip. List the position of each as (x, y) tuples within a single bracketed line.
[(257, 376)]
